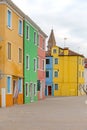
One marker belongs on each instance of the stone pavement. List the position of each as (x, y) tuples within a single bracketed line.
[(53, 113)]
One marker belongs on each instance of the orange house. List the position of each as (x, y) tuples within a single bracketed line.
[(11, 54)]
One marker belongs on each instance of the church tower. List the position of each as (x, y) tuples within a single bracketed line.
[(51, 41)]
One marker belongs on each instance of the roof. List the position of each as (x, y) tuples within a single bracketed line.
[(70, 53), (51, 41), (9, 2), (35, 25), (48, 53)]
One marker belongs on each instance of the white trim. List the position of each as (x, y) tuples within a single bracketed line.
[(19, 19), (31, 25), (27, 25), (27, 89), (35, 64), (35, 88), (7, 18), (28, 62), (35, 40), (8, 6)]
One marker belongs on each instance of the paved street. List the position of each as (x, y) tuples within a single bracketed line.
[(53, 113)]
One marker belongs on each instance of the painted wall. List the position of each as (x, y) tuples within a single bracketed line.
[(30, 49), (10, 67), (68, 79), (41, 66), (49, 81)]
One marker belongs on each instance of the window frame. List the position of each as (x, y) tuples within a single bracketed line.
[(20, 61), (28, 32), (35, 89), (27, 68), (21, 85), (20, 33), (8, 76), (55, 61), (27, 89), (57, 73), (35, 37), (10, 27), (46, 74), (35, 64), (9, 51), (55, 87), (46, 61)]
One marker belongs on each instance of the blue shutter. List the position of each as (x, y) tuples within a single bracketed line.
[(9, 18), (9, 84)]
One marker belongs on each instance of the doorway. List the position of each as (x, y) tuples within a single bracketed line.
[(49, 90), (31, 92), (15, 92)]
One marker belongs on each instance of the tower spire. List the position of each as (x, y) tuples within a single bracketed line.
[(51, 40)]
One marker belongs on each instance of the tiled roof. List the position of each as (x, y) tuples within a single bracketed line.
[(48, 53)]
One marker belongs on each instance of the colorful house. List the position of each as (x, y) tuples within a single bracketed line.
[(49, 90), (41, 64), (30, 61), (11, 54), (68, 70), (34, 61)]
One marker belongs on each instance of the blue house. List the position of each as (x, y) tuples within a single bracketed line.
[(49, 76)]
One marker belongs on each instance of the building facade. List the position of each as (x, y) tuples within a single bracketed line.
[(11, 54), (68, 70), (30, 61), (41, 64), (49, 89)]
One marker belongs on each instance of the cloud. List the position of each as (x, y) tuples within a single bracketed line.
[(68, 18)]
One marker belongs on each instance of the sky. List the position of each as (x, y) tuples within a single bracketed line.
[(68, 19)]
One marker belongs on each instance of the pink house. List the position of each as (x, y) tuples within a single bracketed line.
[(41, 64)]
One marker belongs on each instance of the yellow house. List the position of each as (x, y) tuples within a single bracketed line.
[(68, 72), (11, 54)]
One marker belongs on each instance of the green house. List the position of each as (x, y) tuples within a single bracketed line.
[(30, 60)]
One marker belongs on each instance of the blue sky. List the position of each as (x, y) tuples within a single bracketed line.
[(68, 18)]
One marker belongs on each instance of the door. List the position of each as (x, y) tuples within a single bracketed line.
[(41, 90), (31, 92), (3, 97), (49, 91), (15, 92)]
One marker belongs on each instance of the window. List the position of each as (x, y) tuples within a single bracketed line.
[(56, 86), (35, 89), (20, 85), (20, 31), (35, 65), (43, 64), (27, 62), (9, 85), (20, 55), (9, 19), (82, 74), (54, 51), (43, 45), (47, 61), (56, 61), (38, 62), (55, 73), (35, 38), (47, 74), (27, 32), (26, 89), (9, 51)]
